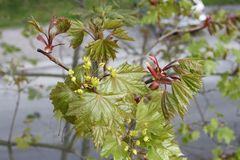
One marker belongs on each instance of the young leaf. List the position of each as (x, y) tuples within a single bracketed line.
[(128, 78), (102, 50), (97, 107), (193, 82), (77, 33), (62, 25), (181, 93), (121, 34), (36, 25), (61, 96), (112, 24)]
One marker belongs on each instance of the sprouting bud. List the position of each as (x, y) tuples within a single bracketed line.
[(138, 142), (145, 124), (87, 78), (146, 139), (70, 72), (80, 91), (95, 81), (113, 73), (133, 133), (144, 132), (73, 79), (134, 151), (101, 64), (126, 148)]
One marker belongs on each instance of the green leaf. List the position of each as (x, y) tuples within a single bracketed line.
[(112, 24), (112, 147), (193, 82), (22, 143), (33, 93), (121, 34), (211, 128), (97, 107), (99, 133), (225, 134), (169, 105), (209, 67), (61, 96), (76, 31), (102, 50), (236, 53), (36, 25), (181, 93), (194, 66), (128, 78)]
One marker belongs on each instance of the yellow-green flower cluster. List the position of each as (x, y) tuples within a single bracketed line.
[(71, 74), (112, 71), (86, 63)]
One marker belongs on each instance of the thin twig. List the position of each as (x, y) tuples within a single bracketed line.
[(10, 151), (53, 59), (199, 110), (171, 33)]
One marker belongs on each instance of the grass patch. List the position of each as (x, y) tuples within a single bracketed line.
[(220, 2), (15, 13)]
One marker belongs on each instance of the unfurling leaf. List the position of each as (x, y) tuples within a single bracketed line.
[(77, 33), (121, 34), (62, 25), (36, 25), (112, 24)]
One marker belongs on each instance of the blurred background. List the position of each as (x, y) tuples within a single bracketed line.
[(37, 135)]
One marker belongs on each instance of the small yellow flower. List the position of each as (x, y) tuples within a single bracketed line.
[(80, 91), (113, 73), (133, 133), (146, 139), (144, 132), (95, 81), (138, 142), (87, 78), (126, 148), (70, 72), (73, 79), (134, 151)]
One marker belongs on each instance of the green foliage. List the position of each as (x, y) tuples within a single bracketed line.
[(229, 86), (188, 135), (9, 49), (26, 139), (102, 50), (222, 134), (34, 93), (125, 79), (77, 33)]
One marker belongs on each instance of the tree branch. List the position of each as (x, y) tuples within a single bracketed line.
[(53, 59), (172, 33)]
